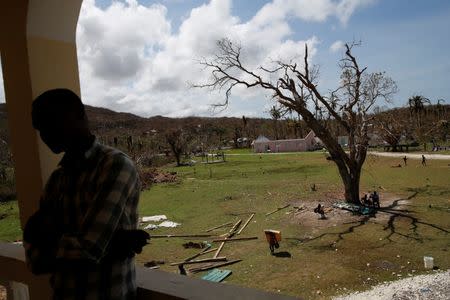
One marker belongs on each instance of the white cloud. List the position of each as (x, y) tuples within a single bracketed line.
[(130, 59), (337, 46)]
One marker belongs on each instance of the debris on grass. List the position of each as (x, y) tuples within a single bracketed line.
[(151, 227), (216, 275), (228, 235), (204, 251), (236, 239), (213, 266), (278, 209), (246, 223), (149, 177), (358, 209), (156, 236), (199, 261), (156, 218), (169, 224), (220, 226), (196, 245)]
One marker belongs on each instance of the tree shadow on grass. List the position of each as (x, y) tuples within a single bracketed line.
[(391, 228)]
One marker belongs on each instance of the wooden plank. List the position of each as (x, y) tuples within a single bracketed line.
[(232, 230), (220, 226), (205, 268), (179, 235), (236, 239), (200, 261), (216, 275), (230, 234), (245, 224), (198, 254), (219, 249), (278, 209)]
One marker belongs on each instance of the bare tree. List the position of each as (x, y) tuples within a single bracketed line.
[(179, 141), (295, 88), (391, 127)]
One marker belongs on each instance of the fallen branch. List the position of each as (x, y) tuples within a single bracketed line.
[(245, 224), (276, 210), (212, 266), (220, 226), (236, 239), (200, 261)]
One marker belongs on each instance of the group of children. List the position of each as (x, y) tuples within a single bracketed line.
[(371, 200)]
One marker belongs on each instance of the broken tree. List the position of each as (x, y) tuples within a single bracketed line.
[(295, 88)]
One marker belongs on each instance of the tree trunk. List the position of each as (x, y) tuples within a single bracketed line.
[(350, 179), (351, 185), (177, 157)]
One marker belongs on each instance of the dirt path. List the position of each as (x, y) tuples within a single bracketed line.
[(410, 155), (435, 286), (385, 154)]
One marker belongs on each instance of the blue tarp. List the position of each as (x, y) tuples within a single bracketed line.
[(217, 275), (359, 209)]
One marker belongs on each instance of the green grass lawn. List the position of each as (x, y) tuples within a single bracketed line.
[(368, 252), (210, 195)]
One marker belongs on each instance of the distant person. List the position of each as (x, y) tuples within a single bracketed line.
[(320, 210), (375, 199), (424, 161), (404, 160), (84, 233), (364, 199)]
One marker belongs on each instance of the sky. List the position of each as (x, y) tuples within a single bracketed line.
[(142, 56)]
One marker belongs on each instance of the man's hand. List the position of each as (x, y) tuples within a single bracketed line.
[(126, 243), (40, 238)]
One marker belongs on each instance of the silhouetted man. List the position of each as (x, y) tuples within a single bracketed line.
[(84, 232), (424, 162), (405, 159)]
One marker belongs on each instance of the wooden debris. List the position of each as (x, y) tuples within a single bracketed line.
[(298, 209), (220, 226), (156, 236), (199, 261), (212, 266), (230, 234), (219, 249), (236, 239), (232, 231), (206, 250), (278, 209), (245, 224)]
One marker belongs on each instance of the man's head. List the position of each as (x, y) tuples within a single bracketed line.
[(60, 117)]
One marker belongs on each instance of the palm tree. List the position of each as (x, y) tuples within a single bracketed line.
[(276, 115), (416, 105), (440, 109)]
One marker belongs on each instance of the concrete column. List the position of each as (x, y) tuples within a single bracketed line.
[(38, 52)]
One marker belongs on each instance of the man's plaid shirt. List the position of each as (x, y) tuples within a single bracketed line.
[(91, 196)]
